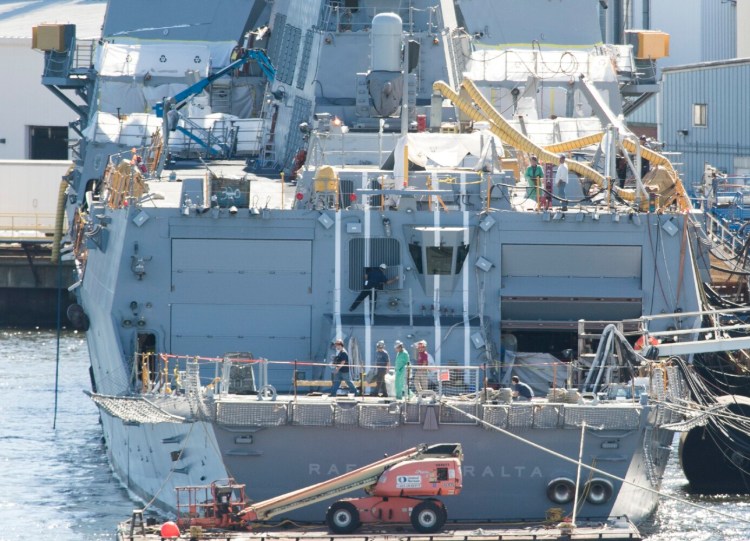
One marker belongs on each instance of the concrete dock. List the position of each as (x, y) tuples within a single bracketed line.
[(29, 283)]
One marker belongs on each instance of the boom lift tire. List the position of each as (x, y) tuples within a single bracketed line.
[(342, 518), (442, 508), (428, 517)]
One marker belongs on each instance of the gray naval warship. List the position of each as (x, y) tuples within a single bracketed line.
[(211, 293)]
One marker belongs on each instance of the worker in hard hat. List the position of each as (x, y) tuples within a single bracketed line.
[(420, 372), (382, 362), (402, 364), (375, 280)]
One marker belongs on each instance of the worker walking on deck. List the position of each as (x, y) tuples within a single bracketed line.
[(341, 368), (402, 364)]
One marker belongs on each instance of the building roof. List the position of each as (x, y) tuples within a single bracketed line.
[(17, 18)]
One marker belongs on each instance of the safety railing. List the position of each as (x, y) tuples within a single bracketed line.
[(16, 227), (241, 374), (126, 173), (342, 149), (718, 232), (339, 18)]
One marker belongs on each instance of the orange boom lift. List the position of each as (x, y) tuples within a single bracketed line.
[(400, 489)]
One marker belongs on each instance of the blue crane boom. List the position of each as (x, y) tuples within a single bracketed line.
[(179, 99)]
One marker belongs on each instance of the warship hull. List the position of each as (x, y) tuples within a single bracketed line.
[(211, 294)]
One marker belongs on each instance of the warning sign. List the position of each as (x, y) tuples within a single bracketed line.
[(408, 481)]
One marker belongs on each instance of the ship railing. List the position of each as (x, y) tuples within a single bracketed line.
[(124, 178), (38, 227), (720, 233), (338, 18), (347, 149), (720, 330), (466, 399), (242, 374)]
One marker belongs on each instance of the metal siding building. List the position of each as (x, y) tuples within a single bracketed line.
[(699, 30), (724, 140)]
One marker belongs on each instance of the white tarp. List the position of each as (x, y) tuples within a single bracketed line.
[(135, 130), (131, 130), (156, 59), (125, 70), (219, 51), (442, 150)]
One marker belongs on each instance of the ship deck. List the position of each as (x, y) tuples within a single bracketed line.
[(613, 529)]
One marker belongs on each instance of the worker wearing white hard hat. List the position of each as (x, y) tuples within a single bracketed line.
[(402, 363), (382, 362), (420, 371), (375, 280)]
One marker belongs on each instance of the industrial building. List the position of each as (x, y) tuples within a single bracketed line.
[(706, 116)]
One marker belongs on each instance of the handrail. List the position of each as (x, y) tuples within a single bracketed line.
[(722, 234), (25, 226)]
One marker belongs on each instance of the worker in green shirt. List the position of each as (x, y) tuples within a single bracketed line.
[(534, 174), (402, 363)]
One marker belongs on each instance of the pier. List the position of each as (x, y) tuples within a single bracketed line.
[(613, 529), (29, 279)]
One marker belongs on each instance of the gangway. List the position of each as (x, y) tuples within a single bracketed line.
[(717, 336)]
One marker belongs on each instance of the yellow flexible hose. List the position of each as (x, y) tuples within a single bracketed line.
[(59, 219), (482, 110)]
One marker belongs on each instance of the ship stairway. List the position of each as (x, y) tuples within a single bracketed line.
[(267, 159), (213, 145), (729, 245), (70, 69), (713, 331)]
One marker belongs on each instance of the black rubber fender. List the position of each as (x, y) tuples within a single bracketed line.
[(599, 491), (561, 490)]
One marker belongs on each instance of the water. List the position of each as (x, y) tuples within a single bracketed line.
[(56, 484)]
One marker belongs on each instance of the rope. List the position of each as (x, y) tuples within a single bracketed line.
[(171, 471), (593, 468)]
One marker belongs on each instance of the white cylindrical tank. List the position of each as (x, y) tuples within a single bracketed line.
[(743, 37), (385, 42)]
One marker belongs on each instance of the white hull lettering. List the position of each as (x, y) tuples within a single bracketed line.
[(518, 472)]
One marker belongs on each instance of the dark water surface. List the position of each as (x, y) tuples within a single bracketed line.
[(55, 484)]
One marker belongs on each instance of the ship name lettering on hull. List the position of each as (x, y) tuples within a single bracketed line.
[(329, 470)]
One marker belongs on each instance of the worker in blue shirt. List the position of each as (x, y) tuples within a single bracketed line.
[(521, 391), (375, 280), (341, 369)]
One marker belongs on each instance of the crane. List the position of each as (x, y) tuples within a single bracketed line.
[(168, 108)]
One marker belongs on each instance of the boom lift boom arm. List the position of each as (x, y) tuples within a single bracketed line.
[(179, 100), (363, 477)]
